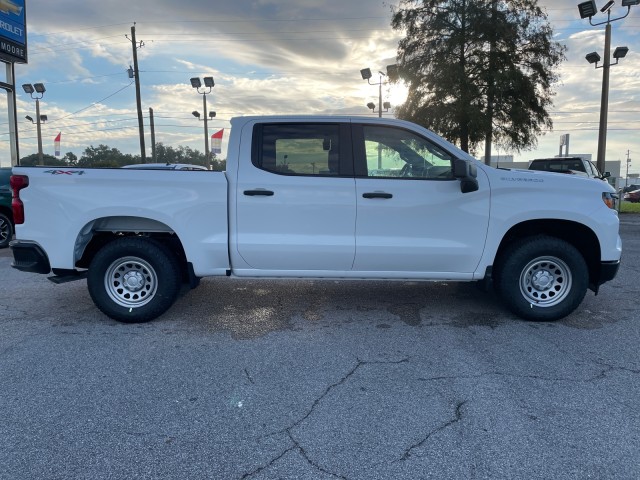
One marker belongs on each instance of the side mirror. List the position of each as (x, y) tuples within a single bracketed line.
[(606, 175), (466, 172)]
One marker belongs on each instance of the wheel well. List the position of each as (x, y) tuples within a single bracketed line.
[(100, 239), (577, 234)]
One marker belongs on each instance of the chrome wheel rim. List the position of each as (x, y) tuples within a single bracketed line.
[(131, 282), (545, 281)]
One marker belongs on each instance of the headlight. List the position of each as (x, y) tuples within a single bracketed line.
[(610, 199)]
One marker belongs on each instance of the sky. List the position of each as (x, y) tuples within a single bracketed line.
[(272, 57)]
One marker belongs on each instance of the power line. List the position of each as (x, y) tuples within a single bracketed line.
[(94, 103)]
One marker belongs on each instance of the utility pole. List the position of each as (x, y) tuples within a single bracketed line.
[(153, 135), (136, 75)]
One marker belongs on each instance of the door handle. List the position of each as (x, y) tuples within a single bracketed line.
[(377, 195), (258, 192)]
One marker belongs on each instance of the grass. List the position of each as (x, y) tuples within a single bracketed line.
[(628, 207)]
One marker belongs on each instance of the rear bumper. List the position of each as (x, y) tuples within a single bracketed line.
[(29, 257)]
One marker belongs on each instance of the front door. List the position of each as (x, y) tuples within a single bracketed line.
[(411, 215)]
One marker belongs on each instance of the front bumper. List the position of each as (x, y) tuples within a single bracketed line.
[(29, 257), (608, 271)]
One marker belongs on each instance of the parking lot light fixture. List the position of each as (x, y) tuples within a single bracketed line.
[(392, 71), (620, 52), (593, 57), (208, 86), (366, 73), (587, 10), (36, 92)]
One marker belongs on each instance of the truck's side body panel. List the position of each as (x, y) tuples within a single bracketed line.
[(61, 203), (520, 196)]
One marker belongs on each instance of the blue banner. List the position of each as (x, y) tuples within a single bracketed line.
[(13, 31)]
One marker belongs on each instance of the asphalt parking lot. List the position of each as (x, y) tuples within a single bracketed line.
[(320, 380)]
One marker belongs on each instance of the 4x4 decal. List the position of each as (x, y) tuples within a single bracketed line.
[(65, 172)]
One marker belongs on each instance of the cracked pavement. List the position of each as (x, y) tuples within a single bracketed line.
[(319, 380)]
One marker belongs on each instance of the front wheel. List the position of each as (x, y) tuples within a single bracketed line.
[(542, 278), (134, 279)]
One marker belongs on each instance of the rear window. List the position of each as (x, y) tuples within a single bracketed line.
[(298, 149)]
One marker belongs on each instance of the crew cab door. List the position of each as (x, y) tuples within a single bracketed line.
[(295, 199), (411, 214)]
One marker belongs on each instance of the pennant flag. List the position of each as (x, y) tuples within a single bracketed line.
[(57, 144), (216, 141)]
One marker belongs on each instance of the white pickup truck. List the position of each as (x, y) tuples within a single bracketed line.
[(322, 198)]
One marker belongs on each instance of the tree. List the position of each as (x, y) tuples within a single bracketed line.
[(168, 154), (104, 157), (48, 160), (70, 158), (478, 70)]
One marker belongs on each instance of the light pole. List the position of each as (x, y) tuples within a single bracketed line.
[(366, 75), (208, 85), (37, 89), (587, 10)]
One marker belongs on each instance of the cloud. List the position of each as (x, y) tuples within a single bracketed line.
[(267, 56)]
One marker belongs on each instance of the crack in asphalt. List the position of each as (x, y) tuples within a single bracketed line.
[(599, 376), (458, 413), (249, 377), (264, 467), (304, 454), (457, 418), (611, 368), (288, 430)]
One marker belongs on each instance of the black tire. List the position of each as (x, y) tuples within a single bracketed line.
[(542, 278), (6, 230), (152, 279)]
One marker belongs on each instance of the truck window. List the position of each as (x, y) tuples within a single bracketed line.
[(397, 153), (298, 149)]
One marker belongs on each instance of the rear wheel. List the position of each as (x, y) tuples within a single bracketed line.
[(134, 279), (6, 230), (542, 278)]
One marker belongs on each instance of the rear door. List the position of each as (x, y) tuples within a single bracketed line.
[(295, 199)]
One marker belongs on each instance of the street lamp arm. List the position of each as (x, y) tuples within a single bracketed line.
[(609, 19)]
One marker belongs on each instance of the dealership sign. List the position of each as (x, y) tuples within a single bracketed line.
[(13, 31)]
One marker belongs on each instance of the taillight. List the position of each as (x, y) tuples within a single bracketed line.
[(18, 182)]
